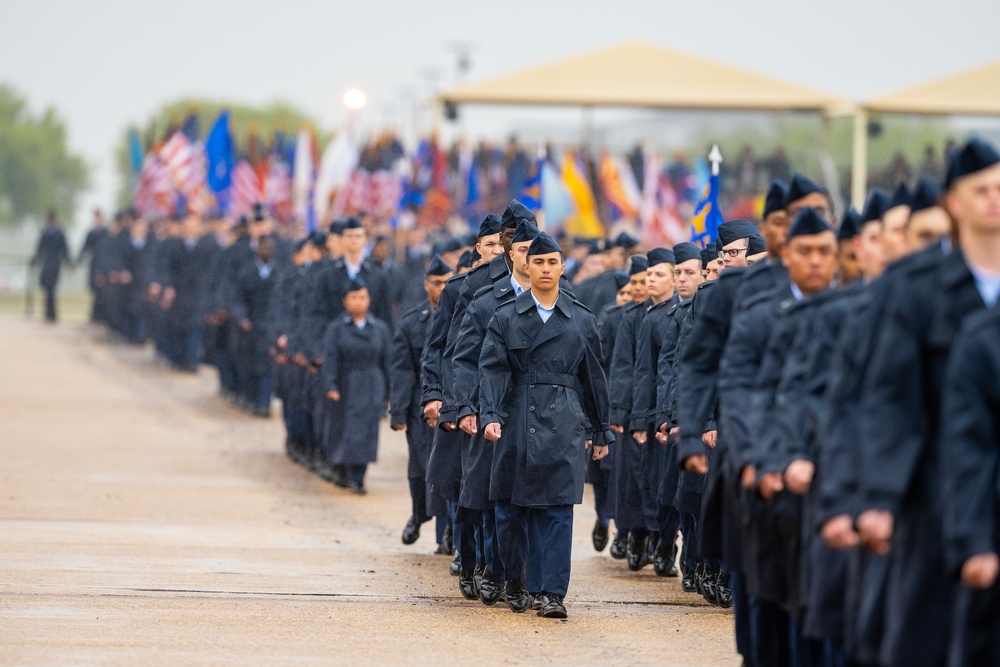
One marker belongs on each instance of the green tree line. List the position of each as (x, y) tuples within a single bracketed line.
[(37, 169)]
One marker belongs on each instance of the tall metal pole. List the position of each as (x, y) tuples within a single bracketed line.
[(859, 170)]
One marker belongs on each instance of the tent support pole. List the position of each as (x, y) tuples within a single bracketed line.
[(859, 170)]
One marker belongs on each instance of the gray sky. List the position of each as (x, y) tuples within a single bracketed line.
[(105, 63)]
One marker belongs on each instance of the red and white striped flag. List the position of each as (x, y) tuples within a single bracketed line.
[(154, 193), (247, 189)]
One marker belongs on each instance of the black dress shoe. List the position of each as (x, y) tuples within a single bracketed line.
[(599, 536), (663, 563), (554, 607), (456, 565), (619, 546), (358, 489), (637, 551), (539, 600), (443, 550), (467, 584), (708, 588), (687, 583), (338, 476), (699, 578), (517, 596), (411, 533), (490, 589), (723, 592)]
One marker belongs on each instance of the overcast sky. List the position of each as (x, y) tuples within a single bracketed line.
[(103, 64)]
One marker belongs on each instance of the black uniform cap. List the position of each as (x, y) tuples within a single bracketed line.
[(802, 186), (926, 195), (734, 230), (438, 267), (625, 241), (660, 256), (515, 211), (525, 231), (621, 279), (808, 222), (974, 156), (709, 254), (355, 284), (337, 227), (684, 252), (489, 226), (638, 264), (875, 206), (756, 246), (900, 196), (850, 224), (259, 214), (776, 198), (542, 244)]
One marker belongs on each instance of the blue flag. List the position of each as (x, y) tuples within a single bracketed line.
[(707, 216), (136, 155), (531, 193), (219, 153)]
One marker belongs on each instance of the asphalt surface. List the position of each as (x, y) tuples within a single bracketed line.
[(144, 521)]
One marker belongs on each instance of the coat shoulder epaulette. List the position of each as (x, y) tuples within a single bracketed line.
[(760, 297), (483, 290), (984, 319), (456, 278), (575, 300), (415, 311)]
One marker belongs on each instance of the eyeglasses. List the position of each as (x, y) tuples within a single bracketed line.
[(732, 252)]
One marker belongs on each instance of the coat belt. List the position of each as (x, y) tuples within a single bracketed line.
[(534, 377)]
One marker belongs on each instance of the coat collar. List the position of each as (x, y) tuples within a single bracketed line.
[(498, 267), (525, 302)]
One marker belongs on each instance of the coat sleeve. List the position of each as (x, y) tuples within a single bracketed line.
[(890, 407), (494, 375), (386, 338), (596, 399), (644, 377), (403, 373), (622, 367), (437, 338), (331, 359), (971, 429), (738, 400), (466, 361), (699, 367)]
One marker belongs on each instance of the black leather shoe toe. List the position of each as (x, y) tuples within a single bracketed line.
[(411, 533), (554, 608)]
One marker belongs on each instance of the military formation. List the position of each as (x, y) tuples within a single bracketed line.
[(800, 421)]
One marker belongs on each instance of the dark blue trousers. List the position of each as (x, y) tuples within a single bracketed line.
[(539, 542)]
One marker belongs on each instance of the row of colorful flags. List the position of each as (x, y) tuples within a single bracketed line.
[(298, 182)]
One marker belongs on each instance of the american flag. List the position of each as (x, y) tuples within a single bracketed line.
[(278, 188), (185, 160), (154, 193), (246, 189), (385, 192)]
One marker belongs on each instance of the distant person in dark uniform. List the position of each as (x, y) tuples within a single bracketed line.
[(250, 310), (407, 414), (356, 382), (50, 254), (97, 233)]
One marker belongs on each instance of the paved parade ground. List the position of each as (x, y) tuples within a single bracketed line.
[(144, 521)]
